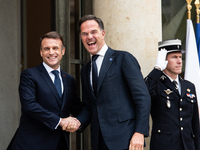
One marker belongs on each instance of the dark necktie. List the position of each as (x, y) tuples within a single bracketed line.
[(57, 82), (175, 83), (94, 73)]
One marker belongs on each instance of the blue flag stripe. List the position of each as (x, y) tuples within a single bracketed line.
[(198, 39)]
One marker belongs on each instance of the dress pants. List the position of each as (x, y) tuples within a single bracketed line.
[(102, 144), (62, 143)]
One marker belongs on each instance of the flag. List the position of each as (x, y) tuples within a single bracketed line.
[(192, 71), (198, 39)]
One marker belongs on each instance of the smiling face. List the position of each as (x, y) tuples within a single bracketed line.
[(174, 66), (52, 51), (92, 36)]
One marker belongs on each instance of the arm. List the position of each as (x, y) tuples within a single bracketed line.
[(76, 104), (141, 100), (85, 115), (30, 106), (152, 79), (139, 93)]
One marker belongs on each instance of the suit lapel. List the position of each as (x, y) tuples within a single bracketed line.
[(50, 84), (107, 61)]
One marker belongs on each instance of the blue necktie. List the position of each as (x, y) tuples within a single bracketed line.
[(57, 82), (94, 73)]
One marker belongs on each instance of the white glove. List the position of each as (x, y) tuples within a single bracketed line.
[(161, 59)]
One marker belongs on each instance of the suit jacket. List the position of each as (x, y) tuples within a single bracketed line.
[(122, 104), (42, 108), (175, 117)]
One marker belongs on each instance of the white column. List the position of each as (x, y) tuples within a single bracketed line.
[(134, 26)]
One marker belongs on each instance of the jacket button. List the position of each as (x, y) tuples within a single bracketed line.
[(182, 128), (180, 109)]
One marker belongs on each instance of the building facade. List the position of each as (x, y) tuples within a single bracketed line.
[(135, 26)]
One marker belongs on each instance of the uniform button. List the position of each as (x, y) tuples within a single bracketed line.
[(167, 97), (181, 119), (192, 101), (182, 128), (159, 131), (181, 100), (180, 109)]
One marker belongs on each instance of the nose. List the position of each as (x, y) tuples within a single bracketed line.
[(89, 36), (50, 51), (179, 60)]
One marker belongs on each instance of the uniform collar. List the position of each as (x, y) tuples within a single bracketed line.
[(177, 78)]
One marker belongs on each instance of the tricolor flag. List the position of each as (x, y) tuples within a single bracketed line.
[(192, 71), (198, 39)]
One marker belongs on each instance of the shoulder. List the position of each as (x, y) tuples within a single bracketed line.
[(86, 66), (186, 82), (30, 76), (66, 74), (30, 71), (119, 52), (124, 55)]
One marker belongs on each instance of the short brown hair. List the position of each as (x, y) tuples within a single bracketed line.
[(90, 17), (52, 35)]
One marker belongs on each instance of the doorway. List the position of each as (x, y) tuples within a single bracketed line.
[(40, 17)]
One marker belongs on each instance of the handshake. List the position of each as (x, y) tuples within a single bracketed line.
[(70, 124)]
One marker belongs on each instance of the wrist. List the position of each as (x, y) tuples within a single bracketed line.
[(156, 67)]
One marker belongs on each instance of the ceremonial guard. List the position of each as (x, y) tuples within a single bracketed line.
[(174, 108)]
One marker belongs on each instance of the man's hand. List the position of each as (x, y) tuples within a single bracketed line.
[(70, 124), (161, 62), (137, 141)]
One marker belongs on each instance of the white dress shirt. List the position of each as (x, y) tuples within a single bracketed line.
[(52, 76), (99, 60), (178, 85)]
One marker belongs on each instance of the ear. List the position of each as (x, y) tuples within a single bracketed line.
[(41, 53), (63, 51), (103, 32)]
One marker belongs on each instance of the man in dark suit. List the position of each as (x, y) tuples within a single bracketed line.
[(119, 106), (174, 108), (46, 108)]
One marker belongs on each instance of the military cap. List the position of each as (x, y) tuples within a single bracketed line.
[(173, 45)]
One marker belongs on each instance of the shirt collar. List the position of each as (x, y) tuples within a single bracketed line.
[(103, 50), (49, 69)]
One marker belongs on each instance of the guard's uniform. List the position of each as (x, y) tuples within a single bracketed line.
[(175, 117)]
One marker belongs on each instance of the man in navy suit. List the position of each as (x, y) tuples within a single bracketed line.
[(174, 108), (44, 111), (119, 108)]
